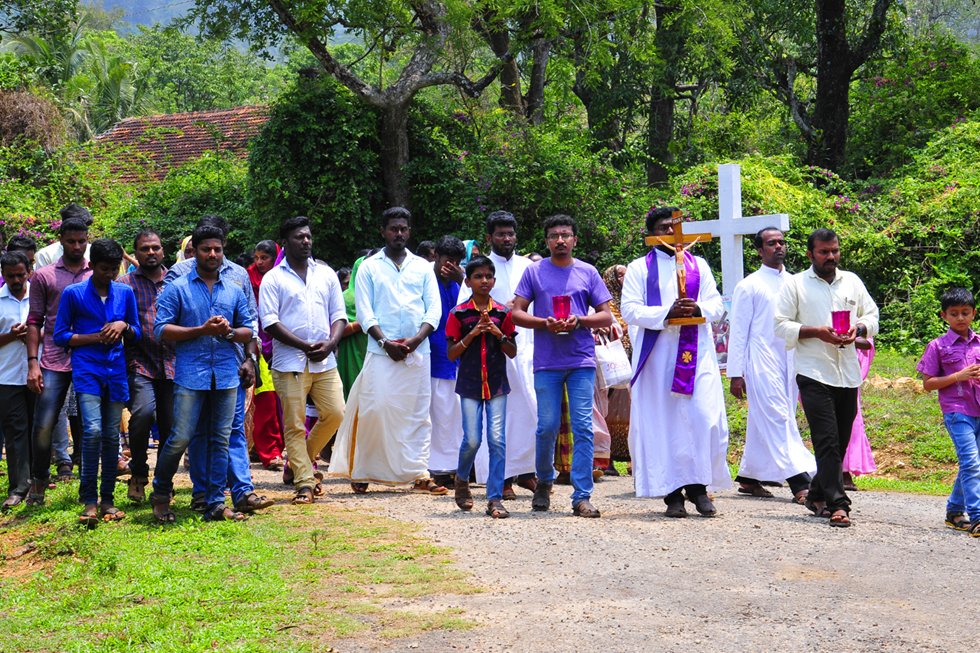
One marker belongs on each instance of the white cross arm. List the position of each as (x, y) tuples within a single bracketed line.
[(730, 232)]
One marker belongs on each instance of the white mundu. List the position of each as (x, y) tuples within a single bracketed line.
[(774, 450), (675, 440), (522, 404)]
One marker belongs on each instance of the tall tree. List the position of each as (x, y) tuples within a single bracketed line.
[(410, 45), (42, 17), (829, 42)]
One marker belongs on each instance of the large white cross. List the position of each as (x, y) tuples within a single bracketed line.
[(731, 226)]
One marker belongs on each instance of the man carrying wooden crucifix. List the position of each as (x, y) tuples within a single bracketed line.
[(678, 426)]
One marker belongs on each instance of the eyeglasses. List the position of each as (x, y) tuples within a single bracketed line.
[(565, 235)]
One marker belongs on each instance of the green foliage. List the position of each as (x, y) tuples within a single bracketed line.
[(931, 84), (214, 184), (318, 156)]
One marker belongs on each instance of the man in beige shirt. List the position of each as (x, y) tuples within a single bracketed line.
[(827, 369)]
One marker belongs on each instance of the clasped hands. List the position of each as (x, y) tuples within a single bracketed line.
[(684, 307), (400, 348), (562, 326)]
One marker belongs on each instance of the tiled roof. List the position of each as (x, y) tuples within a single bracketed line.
[(171, 140)]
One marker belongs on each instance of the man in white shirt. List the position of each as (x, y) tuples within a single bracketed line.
[(760, 366), (386, 431), (827, 369), (302, 307), (522, 403), (16, 402)]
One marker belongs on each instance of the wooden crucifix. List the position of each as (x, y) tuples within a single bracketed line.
[(679, 244)]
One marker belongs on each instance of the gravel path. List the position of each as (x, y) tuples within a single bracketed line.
[(762, 576)]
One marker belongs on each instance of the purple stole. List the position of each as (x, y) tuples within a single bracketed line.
[(687, 347)]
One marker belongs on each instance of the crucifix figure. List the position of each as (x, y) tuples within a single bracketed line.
[(679, 244), (731, 226)]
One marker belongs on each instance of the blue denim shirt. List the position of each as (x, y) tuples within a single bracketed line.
[(208, 362), (97, 367)]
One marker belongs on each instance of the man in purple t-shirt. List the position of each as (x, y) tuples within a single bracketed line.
[(564, 356)]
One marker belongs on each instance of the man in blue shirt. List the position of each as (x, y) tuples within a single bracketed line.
[(239, 474), (93, 318), (445, 411), (204, 315)]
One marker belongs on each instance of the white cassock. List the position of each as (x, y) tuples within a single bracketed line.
[(522, 404), (774, 450), (674, 439)]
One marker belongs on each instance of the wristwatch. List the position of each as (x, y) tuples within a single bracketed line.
[(381, 342), (254, 359)]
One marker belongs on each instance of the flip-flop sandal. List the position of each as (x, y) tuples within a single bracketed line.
[(111, 513), (161, 509), (89, 516), (958, 521), (800, 498), (428, 486)]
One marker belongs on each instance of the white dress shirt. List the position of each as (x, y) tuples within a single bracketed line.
[(13, 355), (807, 300), (307, 308), (399, 300)]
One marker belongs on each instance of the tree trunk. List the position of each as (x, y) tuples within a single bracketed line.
[(663, 95), (831, 106), (394, 153), (660, 133), (498, 39), (539, 69)]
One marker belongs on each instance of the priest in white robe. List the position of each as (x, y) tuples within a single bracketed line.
[(678, 434), (522, 405), (760, 366)]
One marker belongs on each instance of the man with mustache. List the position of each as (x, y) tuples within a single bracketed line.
[(827, 369), (386, 432)]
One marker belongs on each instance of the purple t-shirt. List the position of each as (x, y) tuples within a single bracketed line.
[(947, 355), (542, 281)]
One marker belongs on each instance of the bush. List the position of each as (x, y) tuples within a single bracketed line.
[(213, 184)]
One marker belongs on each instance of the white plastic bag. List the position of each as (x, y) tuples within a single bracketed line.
[(613, 369)]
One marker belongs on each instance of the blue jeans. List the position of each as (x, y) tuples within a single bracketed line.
[(46, 412), (964, 430), (549, 386), (239, 473), (189, 406), (496, 410), (100, 439)]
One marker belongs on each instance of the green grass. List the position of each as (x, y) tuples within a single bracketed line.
[(289, 580)]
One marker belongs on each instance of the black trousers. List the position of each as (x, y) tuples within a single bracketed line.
[(17, 421), (796, 482), (830, 412)]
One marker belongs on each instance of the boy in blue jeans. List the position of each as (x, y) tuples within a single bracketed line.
[(951, 365), (93, 318), (480, 333)]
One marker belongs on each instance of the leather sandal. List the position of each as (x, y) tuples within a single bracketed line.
[(224, 513), (839, 519), (303, 496), (428, 486), (161, 508), (462, 494), (252, 502), (359, 488), (541, 501), (89, 516), (35, 497), (584, 508), (496, 509), (109, 513)]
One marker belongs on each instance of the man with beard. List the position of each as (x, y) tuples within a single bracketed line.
[(760, 366), (678, 426), (50, 376), (150, 362), (386, 431), (203, 314), (303, 310), (827, 369), (564, 356)]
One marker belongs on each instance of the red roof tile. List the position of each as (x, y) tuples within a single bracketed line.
[(171, 140)]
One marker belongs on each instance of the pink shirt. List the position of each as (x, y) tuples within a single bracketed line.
[(45, 296), (947, 355)]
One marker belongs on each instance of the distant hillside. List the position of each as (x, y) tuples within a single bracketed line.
[(142, 12)]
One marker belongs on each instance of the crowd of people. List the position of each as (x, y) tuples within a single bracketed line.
[(440, 368)]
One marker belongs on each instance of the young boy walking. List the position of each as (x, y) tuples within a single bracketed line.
[(93, 318), (480, 333), (951, 365)]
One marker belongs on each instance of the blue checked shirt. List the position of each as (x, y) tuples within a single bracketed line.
[(208, 362)]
